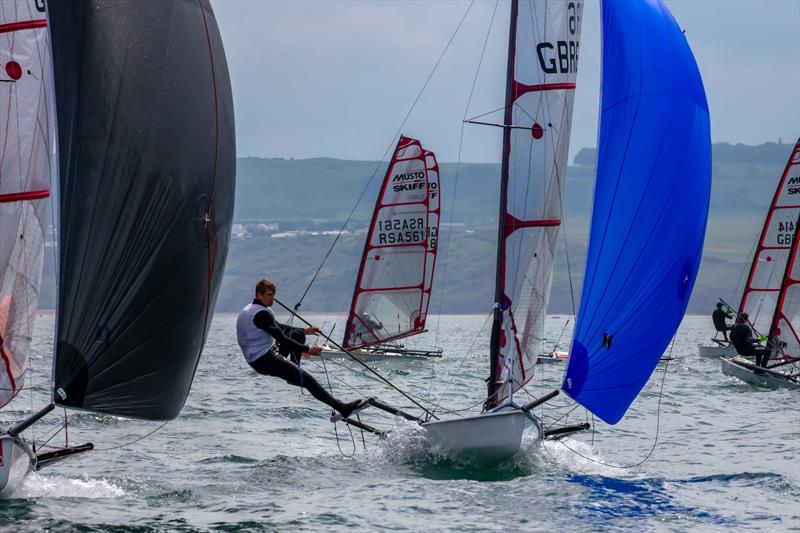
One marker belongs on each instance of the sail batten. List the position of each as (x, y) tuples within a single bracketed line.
[(395, 276), (650, 207), (540, 88)]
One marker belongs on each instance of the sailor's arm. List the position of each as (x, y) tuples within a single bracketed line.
[(264, 320)]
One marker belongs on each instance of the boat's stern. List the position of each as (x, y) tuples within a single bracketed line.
[(487, 437)]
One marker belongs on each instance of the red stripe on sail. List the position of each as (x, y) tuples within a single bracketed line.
[(521, 89), (5, 358), (22, 196), (512, 224), (23, 25)]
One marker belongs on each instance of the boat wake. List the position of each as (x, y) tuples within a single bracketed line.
[(37, 485)]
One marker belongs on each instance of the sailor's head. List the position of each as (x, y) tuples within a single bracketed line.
[(265, 292), (719, 306), (742, 317)]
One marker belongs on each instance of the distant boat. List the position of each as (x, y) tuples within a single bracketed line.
[(771, 296), (393, 288), (147, 176), (26, 171)]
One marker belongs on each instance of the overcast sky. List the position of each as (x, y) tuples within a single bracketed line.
[(337, 78)]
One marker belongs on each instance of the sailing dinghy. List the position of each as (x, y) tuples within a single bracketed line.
[(771, 296), (393, 288), (26, 120), (146, 185), (648, 222)]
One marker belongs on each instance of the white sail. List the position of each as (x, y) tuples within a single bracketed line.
[(25, 167), (543, 61)]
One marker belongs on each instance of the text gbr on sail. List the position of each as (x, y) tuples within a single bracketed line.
[(561, 57)]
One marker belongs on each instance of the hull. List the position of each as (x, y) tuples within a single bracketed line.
[(716, 351), (486, 438), (16, 461), (552, 357), (742, 369), (378, 354)]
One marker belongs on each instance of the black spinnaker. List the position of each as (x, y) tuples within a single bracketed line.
[(147, 177)]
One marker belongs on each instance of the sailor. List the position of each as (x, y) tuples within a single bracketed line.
[(366, 328), (264, 344), (719, 316), (745, 343)]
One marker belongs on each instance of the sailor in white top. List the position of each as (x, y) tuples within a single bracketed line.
[(264, 343)]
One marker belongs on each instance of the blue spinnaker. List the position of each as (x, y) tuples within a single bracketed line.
[(650, 207)]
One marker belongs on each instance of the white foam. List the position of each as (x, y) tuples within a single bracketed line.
[(576, 457), (36, 485)]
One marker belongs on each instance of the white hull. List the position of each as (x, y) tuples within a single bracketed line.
[(741, 368), (16, 460), (552, 357), (716, 351), (487, 438)]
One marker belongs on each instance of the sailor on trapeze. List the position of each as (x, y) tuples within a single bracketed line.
[(719, 316), (265, 343), (745, 343)]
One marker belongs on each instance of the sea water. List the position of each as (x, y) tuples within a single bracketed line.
[(250, 453)]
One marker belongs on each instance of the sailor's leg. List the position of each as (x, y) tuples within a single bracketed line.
[(271, 365), (725, 335)]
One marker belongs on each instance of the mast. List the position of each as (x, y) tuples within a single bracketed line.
[(494, 346), (770, 260)]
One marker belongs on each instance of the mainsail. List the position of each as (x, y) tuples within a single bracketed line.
[(393, 287), (147, 177), (784, 331), (25, 171), (650, 207), (542, 65), (771, 258)]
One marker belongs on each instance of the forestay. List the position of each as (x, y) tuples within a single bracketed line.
[(761, 293), (650, 206), (394, 281), (25, 177), (785, 329), (147, 170), (542, 65)]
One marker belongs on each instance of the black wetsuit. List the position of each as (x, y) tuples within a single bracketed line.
[(719, 316), (274, 364), (745, 344)]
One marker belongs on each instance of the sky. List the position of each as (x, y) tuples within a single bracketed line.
[(337, 79)]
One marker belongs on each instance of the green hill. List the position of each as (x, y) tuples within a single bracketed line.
[(288, 212)]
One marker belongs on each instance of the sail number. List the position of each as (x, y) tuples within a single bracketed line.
[(561, 57), (785, 233), (401, 231)]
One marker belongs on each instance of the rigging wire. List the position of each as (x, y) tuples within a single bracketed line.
[(385, 154), (658, 425), (133, 441), (457, 173)]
